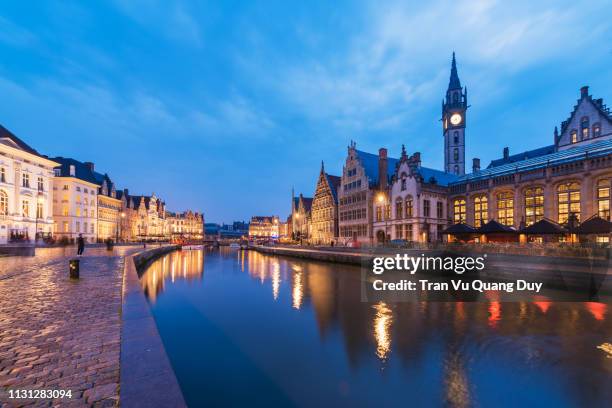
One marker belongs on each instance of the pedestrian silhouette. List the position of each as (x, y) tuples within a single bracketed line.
[(80, 245)]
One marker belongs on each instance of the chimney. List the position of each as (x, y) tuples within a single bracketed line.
[(475, 164), (506, 152), (89, 165), (382, 168), (584, 91)]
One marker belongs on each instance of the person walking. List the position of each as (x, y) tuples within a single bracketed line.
[(80, 245)]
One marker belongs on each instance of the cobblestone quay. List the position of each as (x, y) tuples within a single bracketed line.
[(62, 334)]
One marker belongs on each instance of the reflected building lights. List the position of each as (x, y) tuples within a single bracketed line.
[(382, 329), (298, 290), (276, 278)]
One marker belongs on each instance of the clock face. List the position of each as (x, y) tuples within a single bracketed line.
[(455, 119)]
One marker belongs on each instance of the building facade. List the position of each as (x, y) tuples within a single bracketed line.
[(301, 217), (572, 176), (75, 200), (26, 198), (454, 108), (186, 225), (414, 207), (324, 209), (110, 210), (264, 227), (145, 218)]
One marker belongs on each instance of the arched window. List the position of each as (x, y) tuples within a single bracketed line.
[(3, 203), (584, 125), (399, 208), (568, 200), (456, 154), (481, 210), (456, 169), (596, 129), (456, 137), (534, 205), (403, 182), (409, 207), (505, 208), (574, 137), (459, 211), (603, 198)]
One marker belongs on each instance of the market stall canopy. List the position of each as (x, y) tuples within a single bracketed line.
[(544, 227), (595, 225), (460, 228), (494, 227)]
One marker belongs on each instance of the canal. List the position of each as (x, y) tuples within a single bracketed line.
[(246, 329)]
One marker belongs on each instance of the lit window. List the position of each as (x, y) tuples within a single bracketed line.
[(568, 199), (603, 198), (3, 203), (65, 210), (78, 212), (39, 210), (481, 210), (596, 130), (574, 136), (459, 211), (409, 207), (66, 229), (399, 208), (505, 208), (25, 208), (534, 205), (584, 125)]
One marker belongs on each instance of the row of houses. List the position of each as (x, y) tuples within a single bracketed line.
[(378, 198), (58, 198)]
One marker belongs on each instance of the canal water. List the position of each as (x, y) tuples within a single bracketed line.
[(246, 329)]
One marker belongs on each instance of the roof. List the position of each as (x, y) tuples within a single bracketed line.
[(334, 183), (441, 178), (595, 225), (544, 227), (369, 162), (530, 154), (82, 171), (493, 226), (597, 103), (593, 150), (454, 82), (307, 203), (460, 229), (8, 136)]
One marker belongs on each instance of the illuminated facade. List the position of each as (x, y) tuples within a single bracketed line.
[(26, 205), (145, 218), (264, 227), (109, 210), (324, 209), (301, 216), (75, 200), (185, 225), (573, 176)]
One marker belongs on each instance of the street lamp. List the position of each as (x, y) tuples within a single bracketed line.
[(39, 201)]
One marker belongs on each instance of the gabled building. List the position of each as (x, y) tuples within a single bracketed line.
[(188, 225), (145, 218), (300, 216), (264, 227), (26, 199), (324, 209)]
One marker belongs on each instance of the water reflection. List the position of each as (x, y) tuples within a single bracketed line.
[(279, 314)]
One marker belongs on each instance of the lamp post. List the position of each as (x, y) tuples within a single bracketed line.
[(39, 201), (382, 199)]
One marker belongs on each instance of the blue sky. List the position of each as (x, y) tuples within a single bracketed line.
[(223, 106)]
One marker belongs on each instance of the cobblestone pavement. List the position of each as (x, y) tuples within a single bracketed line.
[(56, 333)]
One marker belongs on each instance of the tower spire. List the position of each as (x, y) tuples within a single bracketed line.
[(322, 167), (454, 82)]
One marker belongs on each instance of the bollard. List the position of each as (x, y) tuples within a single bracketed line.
[(74, 268)]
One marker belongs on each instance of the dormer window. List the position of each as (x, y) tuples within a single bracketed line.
[(584, 125), (72, 170), (596, 130), (574, 137)]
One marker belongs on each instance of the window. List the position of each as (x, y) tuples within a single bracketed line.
[(41, 184), (378, 213), (456, 137), (78, 188), (78, 212), (584, 125), (574, 136), (481, 210), (603, 198), (66, 229), (409, 207), (91, 228), (568, 199), (399, 208), (25, 208), (85, 191), (65, 210), (440, 209), (3, 174), (65, 187), (505, 208), (78, 226), (85, 227), (534, 205), (3, 203), (25, 180), (596, 130), (403, 182), (459, 211), (456, 169), (39, 210), (456, 154), (399, 231), (426, 208)]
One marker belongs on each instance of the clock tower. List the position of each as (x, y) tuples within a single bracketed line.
[(454, 107)]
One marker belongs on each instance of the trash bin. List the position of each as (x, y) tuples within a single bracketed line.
[(74, 268), (109, 245)]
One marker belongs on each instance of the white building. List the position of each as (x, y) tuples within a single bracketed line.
[(75, 191), (25, 191)]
